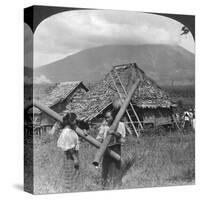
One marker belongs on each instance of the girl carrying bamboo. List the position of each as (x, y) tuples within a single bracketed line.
[(68, 141), (110, 167)]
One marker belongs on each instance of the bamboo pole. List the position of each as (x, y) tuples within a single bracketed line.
[(174, 118), (114, 125), (80, 132)]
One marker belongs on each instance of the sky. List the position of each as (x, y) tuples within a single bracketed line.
[(67, 33)]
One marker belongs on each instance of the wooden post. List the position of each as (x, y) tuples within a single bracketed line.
[(174, 119), (114, 126), (80, 132)]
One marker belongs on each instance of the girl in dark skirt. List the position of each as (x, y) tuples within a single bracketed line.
[(68, 141)]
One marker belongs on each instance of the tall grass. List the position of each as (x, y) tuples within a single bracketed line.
[(147, 162)]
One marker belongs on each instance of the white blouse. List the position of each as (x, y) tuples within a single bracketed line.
[(68, 139), (103, 129)]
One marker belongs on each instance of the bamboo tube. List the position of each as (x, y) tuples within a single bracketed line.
[(114, 125)]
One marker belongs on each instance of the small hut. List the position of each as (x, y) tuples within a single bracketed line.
[(61, 95), (150, 104)]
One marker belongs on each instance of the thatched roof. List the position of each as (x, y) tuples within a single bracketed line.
[(147, 95), (60, 92)]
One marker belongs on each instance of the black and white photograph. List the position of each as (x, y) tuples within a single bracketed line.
[(109, 99)]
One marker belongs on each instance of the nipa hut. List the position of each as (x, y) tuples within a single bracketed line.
[(61, 95), (150, 104)]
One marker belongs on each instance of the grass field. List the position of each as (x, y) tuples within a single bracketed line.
[(153, 161)]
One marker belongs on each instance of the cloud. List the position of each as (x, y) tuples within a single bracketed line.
[(41, 79), (69, 32)]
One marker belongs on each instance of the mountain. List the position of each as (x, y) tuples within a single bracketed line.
[(166, 64)]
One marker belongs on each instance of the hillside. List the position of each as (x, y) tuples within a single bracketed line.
[(163, 63)]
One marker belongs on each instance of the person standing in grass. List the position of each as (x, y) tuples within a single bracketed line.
[(187, 117), (111, 167), (68, 141)]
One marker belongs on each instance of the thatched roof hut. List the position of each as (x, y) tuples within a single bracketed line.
[(148, 95), (58, 98), (61, 92)]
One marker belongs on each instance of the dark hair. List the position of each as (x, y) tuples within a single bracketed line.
[(69, 118), (113, 112), (83, 125)]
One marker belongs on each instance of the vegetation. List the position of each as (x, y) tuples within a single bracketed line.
[(149, 161), (182, 95)]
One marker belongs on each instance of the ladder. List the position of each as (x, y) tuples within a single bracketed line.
[(127, 112), (174, 119), (124, 90)]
